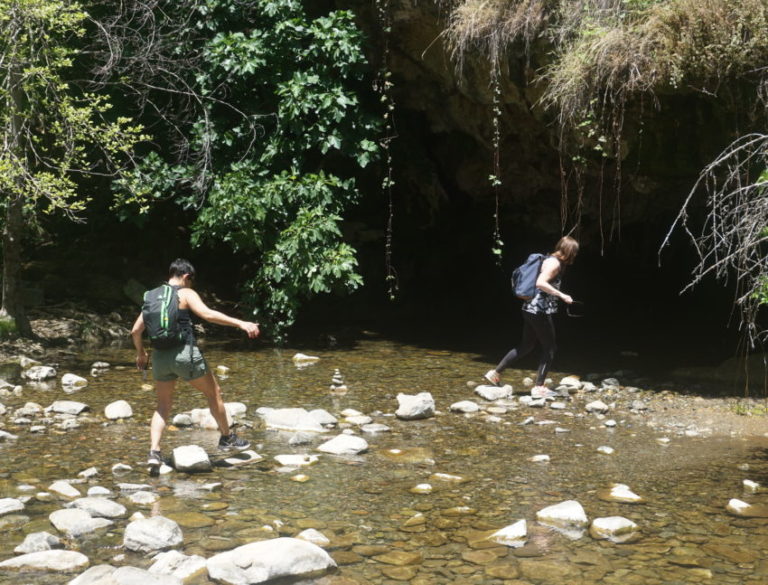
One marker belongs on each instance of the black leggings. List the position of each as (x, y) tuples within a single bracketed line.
[(535, 328)]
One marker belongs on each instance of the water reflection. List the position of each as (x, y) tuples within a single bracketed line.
[(381, 529)]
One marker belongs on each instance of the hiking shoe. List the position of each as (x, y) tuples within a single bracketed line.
[(493, 378), (155, 459), (232, 441), (542, 392)]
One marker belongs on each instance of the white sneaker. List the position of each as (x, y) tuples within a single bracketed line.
[(493, 378), (542, 392)]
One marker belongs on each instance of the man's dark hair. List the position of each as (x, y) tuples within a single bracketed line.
[(180, 267)]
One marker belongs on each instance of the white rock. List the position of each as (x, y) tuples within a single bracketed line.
[(99, 507), (296, 460), (464, 406), (142, 498), (606, 450), (610, 423), (597, 406), (418, 406), (118, 409), (98, 575), (136, 576), (572, 382), (65, 489), (68, 407), (119, 468), (314, 536), (100, 365), (151, 534), (74, 522), (539, 459), (614, 528), (191, 458), (750, 487), (6, 436), (243, 458), (10, 505), (38, 541), (567, 517), (48, 560), (182, 419), (513, 535), (98, 491), (422, 488), (619, 492), (176, 564), (263, 561), (344, 445), (493, 393), (73, 380), (323, 417), (222, 370), (374, 428), (235, 409), (203, 418), (88, 473), (39, 373), (360, 420), (292, 419), (301, 358)]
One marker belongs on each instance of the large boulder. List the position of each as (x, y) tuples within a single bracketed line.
[(415, 406), (259, 562), (152, 534)]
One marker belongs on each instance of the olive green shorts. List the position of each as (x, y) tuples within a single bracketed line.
[(171, 364)]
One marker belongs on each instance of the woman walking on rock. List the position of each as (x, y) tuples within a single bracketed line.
[(538, 325)]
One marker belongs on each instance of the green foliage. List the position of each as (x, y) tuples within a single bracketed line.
[(51, 127), (272, 150), (8, 329)]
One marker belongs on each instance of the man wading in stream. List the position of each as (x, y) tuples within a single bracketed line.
[(181, 358)]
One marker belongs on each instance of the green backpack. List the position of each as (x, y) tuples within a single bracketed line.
[(161, 317)]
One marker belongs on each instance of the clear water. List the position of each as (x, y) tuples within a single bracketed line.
[(365, 505)]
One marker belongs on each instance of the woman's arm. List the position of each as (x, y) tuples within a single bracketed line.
[(550, 268), (199, 308)]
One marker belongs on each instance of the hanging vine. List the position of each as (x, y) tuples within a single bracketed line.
[(384, 87)]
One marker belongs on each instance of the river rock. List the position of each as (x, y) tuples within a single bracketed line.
[(314, 536), (751, 487), (74, 522), (466, 406), (98, 575), (136, 576), (6, 436), (64, 489), (304, 359), (324, 417), (38, 541), (29, 409), (39, 373), (572, 383), (183, 419), (413, 407), (10, 505), (203, 418), (176, 564), (374, 428), (89, 473), (222, 370), (291, 419), (99, 507), (48, 560), (359, 420), (191, 458), (619, 492), (615, 529), (513, 535), (606, 450), (493, 393), (68, 407), (259, 562), (296, 460), (142, 498), (241, 458), (152, 534), (566, 517), (118, 409), (98, 491), (741, 508), (73, 380), (344, 445), (597, 406)]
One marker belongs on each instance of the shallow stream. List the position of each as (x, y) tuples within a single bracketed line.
[(364, 504)]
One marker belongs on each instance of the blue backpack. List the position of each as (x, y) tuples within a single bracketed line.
[(524, 277)]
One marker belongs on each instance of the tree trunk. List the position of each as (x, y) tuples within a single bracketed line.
[(13, 303)]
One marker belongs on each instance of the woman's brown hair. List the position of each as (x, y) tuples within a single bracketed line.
[(566, 249)]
